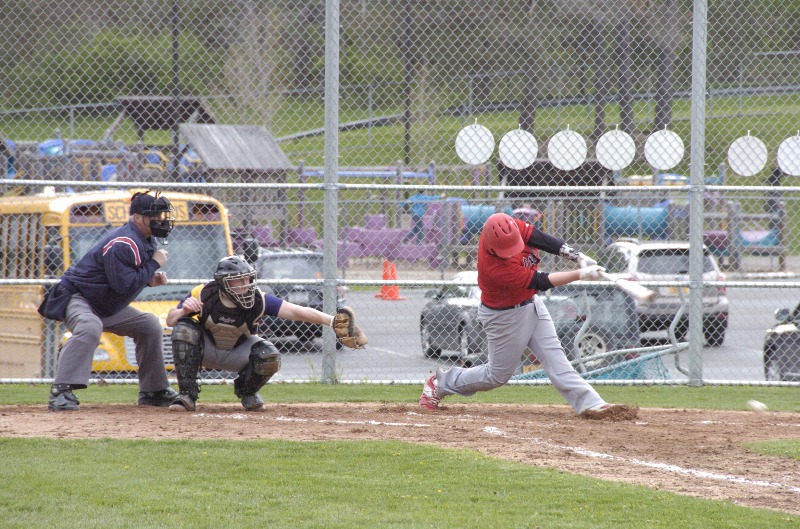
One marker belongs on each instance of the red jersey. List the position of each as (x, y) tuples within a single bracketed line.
[(506, 282)]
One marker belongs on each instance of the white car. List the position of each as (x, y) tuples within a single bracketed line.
[(665, 261)]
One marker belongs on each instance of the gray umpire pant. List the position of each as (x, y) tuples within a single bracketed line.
[(509, 332), (75, 361)]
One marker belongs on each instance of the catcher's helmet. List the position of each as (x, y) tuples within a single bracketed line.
[(501, 236), (231, 270), (158, 209)]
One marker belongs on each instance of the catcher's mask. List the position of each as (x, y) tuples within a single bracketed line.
[(237, 279), (156, 208), (501, 236)]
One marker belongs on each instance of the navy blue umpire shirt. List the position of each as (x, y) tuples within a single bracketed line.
[(115, 271)]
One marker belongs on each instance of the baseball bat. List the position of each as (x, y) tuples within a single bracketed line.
[(636, 290)]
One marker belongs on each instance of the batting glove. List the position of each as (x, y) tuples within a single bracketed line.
[(569, 252), (585, 260), (592, 273)]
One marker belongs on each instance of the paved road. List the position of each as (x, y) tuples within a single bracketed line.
[(394, 352)]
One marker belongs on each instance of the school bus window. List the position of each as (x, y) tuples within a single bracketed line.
[(53, 254), (4, 244), (83, 238), (204, 211), (86, 214)]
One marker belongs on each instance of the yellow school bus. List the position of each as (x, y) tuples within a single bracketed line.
[(41, 235)]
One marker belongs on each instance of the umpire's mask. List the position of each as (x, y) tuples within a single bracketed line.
[(158, 209)]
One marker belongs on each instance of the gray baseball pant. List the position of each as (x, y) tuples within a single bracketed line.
[(75, 361), (509, 332), (234, 360)]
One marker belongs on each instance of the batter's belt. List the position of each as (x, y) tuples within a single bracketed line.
[(518, 305)]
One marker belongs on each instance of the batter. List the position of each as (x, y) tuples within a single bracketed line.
[(514, 318)]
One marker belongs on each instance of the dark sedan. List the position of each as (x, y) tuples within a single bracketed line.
[(782, 347), (299, 264), (589, 320)]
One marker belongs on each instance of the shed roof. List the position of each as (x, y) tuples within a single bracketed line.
[(236, 147)]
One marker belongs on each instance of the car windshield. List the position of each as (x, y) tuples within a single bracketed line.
[(194, 253), (607, 305), (669, 262), (461, 291), (290, 267)]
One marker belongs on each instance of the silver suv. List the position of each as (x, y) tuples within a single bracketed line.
[(664, 261)]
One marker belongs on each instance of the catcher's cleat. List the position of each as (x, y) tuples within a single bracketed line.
[(161, 398), (611, 412), (252, 402), (429, 400), (183, 403), (62, 398)]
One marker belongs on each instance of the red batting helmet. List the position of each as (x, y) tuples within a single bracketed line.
[(501, 236)]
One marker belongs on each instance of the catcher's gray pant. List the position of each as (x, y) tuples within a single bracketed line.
[(75, 361), (508, 333), (234, 360)]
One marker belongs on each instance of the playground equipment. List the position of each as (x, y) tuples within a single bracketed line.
[(730, 234)]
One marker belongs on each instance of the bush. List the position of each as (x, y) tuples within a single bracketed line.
[(111, 65)]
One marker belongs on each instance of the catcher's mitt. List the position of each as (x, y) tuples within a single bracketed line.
[(348, 333)]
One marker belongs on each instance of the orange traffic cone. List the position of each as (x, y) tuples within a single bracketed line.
[(394, 290), (389, 292), (387, 275)]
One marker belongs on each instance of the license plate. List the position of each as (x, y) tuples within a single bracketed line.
[(673, 291)]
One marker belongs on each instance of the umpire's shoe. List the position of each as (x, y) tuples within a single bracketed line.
[(62, 398), (161, 398), (183, 402)]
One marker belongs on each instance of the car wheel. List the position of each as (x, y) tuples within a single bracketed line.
[(682, 331), (714, 332), (591, 344), (427, 349), (772, 371), (714, 336), (463, 349)]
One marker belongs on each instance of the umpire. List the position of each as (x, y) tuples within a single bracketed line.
[(94, 296)]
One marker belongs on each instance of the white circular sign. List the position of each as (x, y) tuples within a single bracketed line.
[(663, 150), (474, 144), (567, 150), (518, 149), (789, 156), (747, 156), (615, 150)]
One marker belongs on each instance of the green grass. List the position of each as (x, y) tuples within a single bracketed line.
[(782, 448), (676, 397), (198, 484)]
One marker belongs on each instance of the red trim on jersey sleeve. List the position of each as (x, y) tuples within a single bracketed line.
[(129, 242)]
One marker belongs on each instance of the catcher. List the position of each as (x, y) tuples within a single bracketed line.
[(214, 326)]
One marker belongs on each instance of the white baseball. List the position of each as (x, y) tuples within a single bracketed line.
[(756, 406)]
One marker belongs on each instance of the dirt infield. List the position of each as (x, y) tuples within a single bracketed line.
[(693, 452)]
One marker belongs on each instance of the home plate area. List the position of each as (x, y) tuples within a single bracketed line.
[(694, 452)]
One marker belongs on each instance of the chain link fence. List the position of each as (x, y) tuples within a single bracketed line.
[(353, 149)]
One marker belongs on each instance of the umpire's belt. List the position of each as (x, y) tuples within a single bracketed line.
[(518, 305)]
